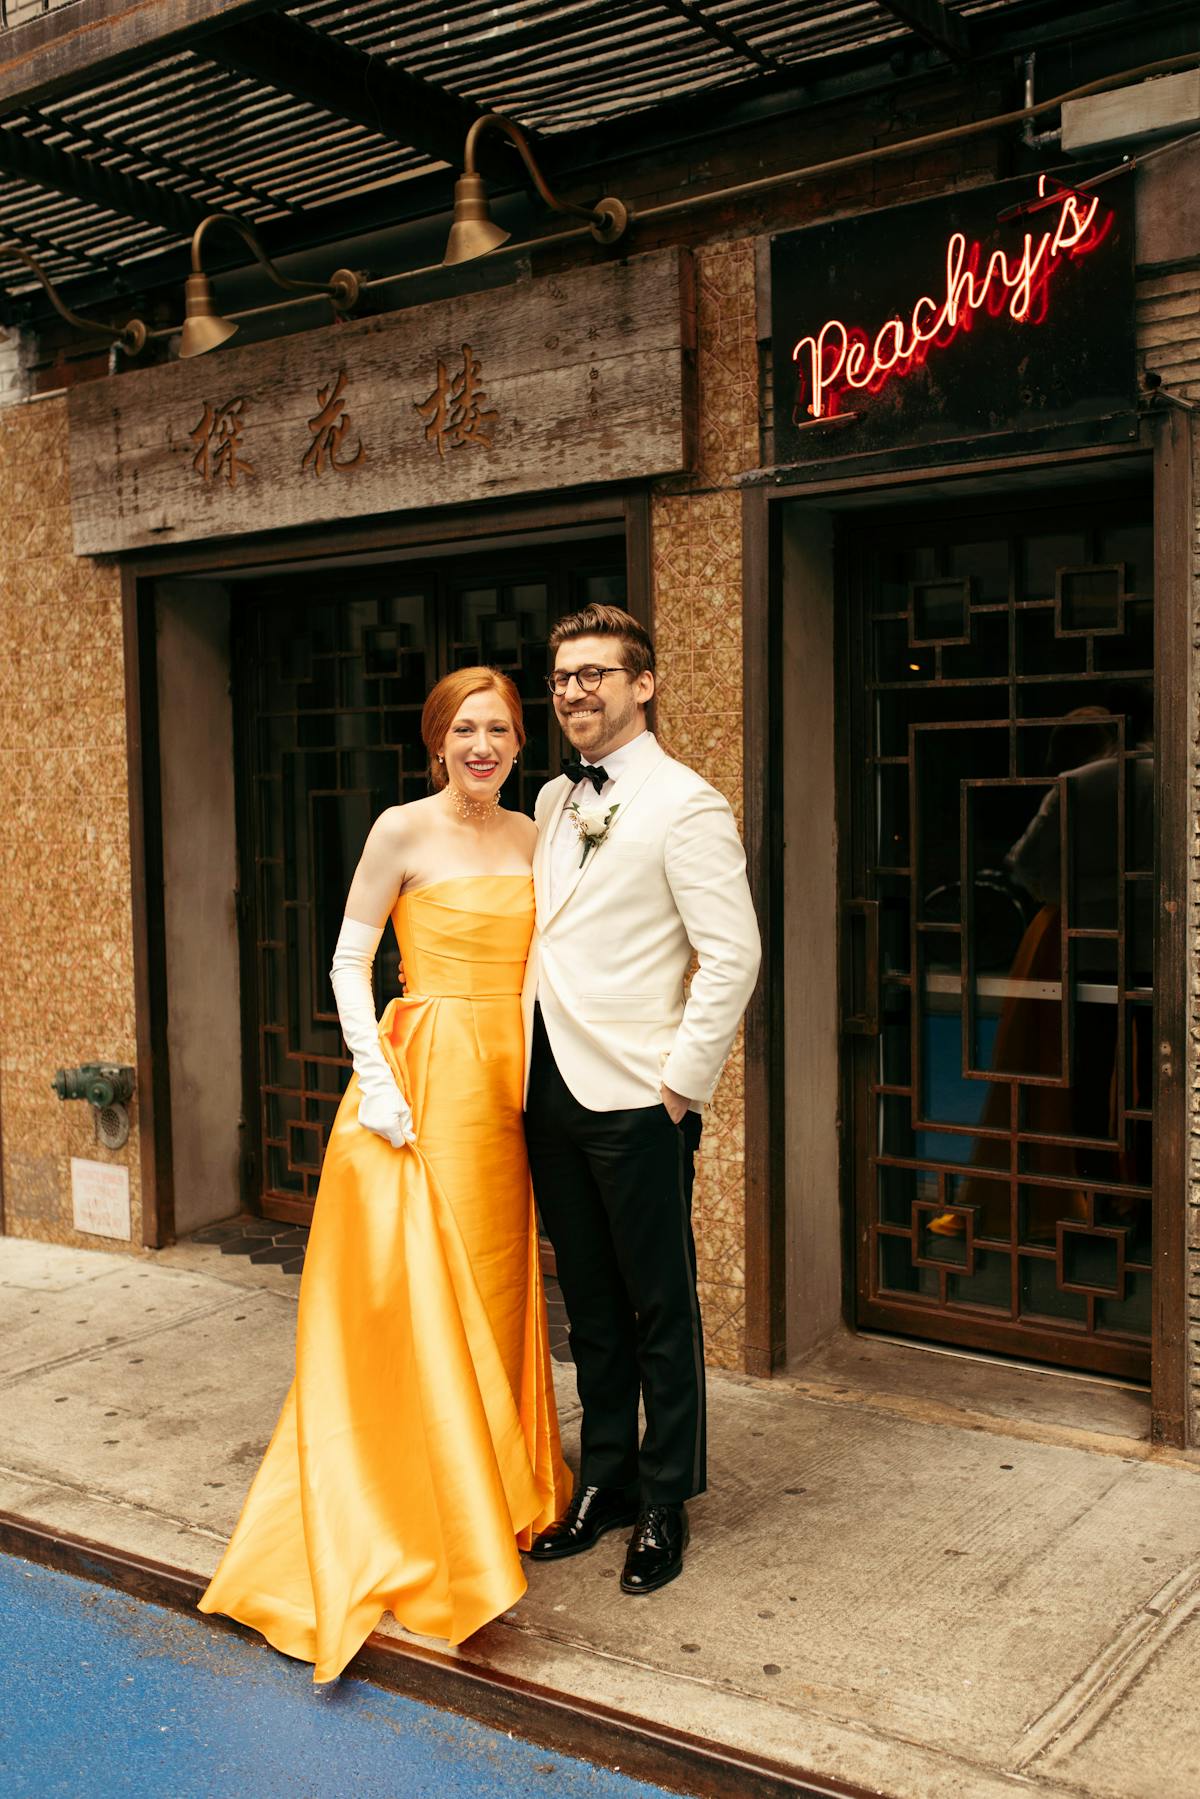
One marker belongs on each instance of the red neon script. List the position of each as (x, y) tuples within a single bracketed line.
[(838, 357)]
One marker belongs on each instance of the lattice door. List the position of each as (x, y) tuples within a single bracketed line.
[(332, 672), (1000, 930)]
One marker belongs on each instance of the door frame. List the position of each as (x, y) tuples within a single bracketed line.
[(1004, 515), (1166, 442), (440, 531), (438, 576)]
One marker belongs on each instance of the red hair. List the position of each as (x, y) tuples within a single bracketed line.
[(447, 699)]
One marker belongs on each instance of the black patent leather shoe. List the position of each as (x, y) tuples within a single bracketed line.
[(592, 1511), (655, 1553)]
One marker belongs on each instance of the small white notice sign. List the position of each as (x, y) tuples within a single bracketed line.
[(100, 1197)]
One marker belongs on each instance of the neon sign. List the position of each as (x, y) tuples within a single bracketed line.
[(839, 359)]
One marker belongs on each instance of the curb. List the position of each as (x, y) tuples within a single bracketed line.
[(639, 1747)]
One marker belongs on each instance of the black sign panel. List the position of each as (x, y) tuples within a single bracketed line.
[(996, 311)]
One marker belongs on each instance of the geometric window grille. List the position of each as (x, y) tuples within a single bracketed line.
[(938, 611), (1090, 601), (999, 837), (331, 673), (1091, 1260)]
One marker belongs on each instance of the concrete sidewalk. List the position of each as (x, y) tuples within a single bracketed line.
[(911, 1574)]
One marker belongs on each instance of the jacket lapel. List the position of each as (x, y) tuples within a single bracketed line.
[(640, 768)]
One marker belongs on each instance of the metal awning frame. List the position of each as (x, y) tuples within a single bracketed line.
[(149, 197)]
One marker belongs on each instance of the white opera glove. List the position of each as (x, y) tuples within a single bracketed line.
[(382, 1107)]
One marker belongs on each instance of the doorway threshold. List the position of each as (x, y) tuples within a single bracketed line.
[(933, 1383)]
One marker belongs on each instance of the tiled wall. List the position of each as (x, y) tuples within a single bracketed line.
[(1168, 329), (697, 532), (66, 949)]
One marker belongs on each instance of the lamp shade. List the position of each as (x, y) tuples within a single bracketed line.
[(203, 327), (472, 232)]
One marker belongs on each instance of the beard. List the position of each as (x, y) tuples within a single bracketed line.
[(606, 725)]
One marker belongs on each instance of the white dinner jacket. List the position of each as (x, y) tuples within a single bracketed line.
[(610, 955)]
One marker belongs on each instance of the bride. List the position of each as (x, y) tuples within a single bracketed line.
[(418, 1449)]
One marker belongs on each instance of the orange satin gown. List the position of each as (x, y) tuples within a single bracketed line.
[(418, 1447)]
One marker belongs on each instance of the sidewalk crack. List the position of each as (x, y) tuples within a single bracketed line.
[(1093, 1695), (97, 1348), (40, 1481)]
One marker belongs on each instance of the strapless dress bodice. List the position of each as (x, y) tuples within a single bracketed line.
[(465, 938)]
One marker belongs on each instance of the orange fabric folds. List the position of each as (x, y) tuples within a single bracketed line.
[(418, 1447)]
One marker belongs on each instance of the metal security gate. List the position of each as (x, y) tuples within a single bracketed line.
[(998, 678), (331, 672)]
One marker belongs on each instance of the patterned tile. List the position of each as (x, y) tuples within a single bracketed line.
[(726, 361), (697, 553), (697, 556), (66, 941)]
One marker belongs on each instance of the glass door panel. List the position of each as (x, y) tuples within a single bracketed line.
[(1002, 827)]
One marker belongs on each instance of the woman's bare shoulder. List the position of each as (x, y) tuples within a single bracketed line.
[(399, 824)]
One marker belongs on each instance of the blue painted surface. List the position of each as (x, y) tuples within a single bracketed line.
[(947, 1095), (101, 1695)]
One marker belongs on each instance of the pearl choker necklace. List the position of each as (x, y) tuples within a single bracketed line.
[(467, 806)]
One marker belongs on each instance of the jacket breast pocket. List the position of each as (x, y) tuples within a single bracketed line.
[(623, 1008)]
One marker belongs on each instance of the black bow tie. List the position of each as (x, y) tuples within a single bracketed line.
[(583, 771)]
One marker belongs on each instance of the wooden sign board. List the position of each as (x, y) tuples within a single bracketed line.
[(562, 381)]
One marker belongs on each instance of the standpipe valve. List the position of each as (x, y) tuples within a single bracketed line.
[(108, 1088)]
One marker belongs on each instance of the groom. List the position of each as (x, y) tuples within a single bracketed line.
[(638, 865)]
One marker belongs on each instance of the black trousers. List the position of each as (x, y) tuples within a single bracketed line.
[(615, 1193)]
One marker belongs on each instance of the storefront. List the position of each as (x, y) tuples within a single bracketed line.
[(973, 550), (878, 461), (281, 676)]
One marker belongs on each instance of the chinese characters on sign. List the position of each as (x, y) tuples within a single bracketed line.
[(455, 413), (329, 427), (550, 382), (217, 438)]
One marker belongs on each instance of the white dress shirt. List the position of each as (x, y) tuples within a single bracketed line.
[(565, 848)]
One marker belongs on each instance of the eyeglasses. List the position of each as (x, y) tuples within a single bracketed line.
[(589, 679)]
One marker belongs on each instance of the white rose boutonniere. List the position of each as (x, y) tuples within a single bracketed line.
[(592, 825)]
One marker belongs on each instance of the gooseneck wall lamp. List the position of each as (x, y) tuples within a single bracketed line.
[(205, 329), (474, 232), (131, 337)]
